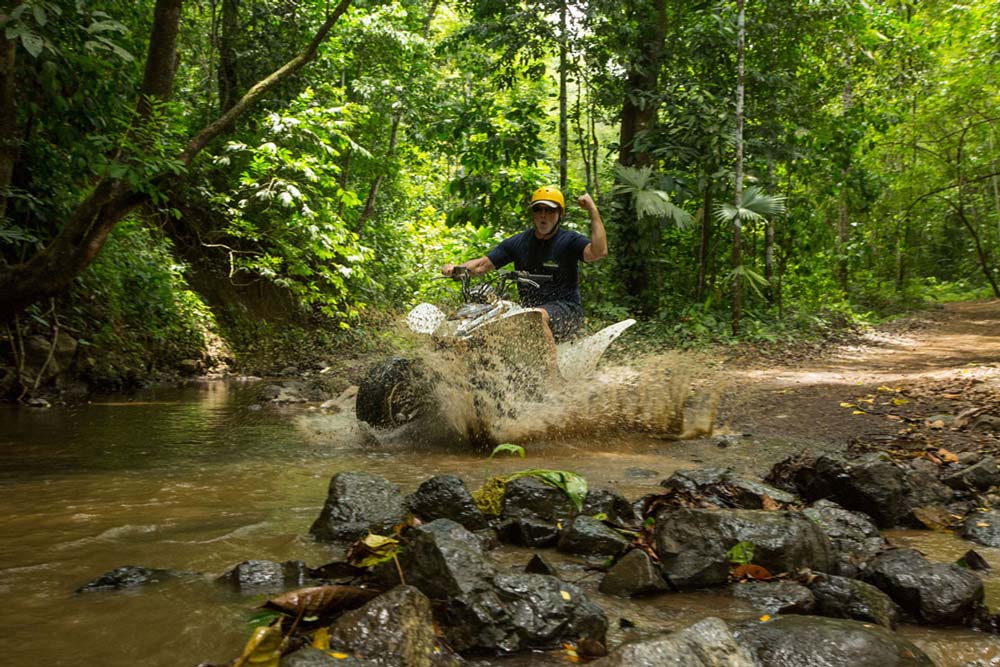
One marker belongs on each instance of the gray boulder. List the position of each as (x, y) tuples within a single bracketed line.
[(983, 528), (840, 597), (855, 537), (396, 629), (815, 641), (126, 576), (252, 577), (933, 593), (587, 536), (693, 544), (446, 497), (356, 503), (528, 532), (443, 559), (977, 477), (707, 643), (722, 487), (776, 597), (521, 611), (531, 498), (614, 506), (633, 574)]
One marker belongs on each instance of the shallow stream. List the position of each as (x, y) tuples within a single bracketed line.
[(198, 479)]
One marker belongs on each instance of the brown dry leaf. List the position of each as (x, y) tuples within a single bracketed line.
[(934, 518), (930, 457), (936, 424), (947, 456), (320, 600), (751, 572), (769, 503)]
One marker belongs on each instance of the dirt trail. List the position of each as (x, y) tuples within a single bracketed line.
[(929, 382)]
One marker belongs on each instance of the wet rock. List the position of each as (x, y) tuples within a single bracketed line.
[(723, 488), (126, 576), (977, 477), (443, 559), (259, 576), (190, 367), (615, 507), (531, 498), (545, 610), (521, 611), (973, 561), (539, 564), (815, 641), (446, 497), (840, 597), (693, 544), (776, 597), (878, 488), (313, 657), (707, 643), (633, 574), (811, 475), (924, 489), (528, 532), (35, 402), (396, 629), (641, 473), (933, 593), (356, 503), (855, 537), (587, 536), (337, 571), (983, 528)]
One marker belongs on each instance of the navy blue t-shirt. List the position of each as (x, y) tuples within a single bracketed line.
[(557, 256)]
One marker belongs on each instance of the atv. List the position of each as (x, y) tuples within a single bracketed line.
[(486, 359)]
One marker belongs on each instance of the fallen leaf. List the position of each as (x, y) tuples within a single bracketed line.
[(769, 503), (947, 456), (858, 412), (894, 418), (751, 572), (900, 401), (983, 524), (887, 390), (321, 639), (765, 618), (936, 424), (320, 600), (847, 405), (566, 595), (263, 649)]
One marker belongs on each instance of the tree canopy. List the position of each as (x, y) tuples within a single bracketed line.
[(330, 155)]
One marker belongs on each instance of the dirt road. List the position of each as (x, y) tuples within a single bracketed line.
[(927, 383)]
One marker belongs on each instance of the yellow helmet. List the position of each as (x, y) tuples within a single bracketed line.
[(549, 195)]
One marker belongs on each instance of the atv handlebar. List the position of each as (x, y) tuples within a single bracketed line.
[(464, 275)]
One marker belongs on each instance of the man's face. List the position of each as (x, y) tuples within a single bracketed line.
[(545, 218)]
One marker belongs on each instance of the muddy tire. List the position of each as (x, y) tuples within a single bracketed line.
[(394, 392)]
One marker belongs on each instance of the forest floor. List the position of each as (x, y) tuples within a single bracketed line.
[(928, 385)]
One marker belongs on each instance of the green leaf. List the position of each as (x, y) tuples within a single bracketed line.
[(741, 553), (32, 43), (572, 484), (508, 448)]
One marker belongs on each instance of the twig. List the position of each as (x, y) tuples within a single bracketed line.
[(52, 347)]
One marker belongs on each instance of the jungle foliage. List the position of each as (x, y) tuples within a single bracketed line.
[(323, 159)]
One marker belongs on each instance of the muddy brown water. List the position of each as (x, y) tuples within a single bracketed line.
[(197, 480)]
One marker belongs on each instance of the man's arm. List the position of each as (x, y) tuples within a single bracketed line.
[(476, 267), (598, 246)]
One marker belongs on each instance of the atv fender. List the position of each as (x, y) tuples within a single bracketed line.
[(578, 358)]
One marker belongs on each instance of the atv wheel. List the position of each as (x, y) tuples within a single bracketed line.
[(394, 392)]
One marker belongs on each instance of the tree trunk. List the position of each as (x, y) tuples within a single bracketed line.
[(636, 118), (83, 235), (563, 125), (737, 224), (229, 81), (705, 247), (8, 117), (369, 209)]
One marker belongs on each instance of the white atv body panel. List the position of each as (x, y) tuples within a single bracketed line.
[(578, 358)]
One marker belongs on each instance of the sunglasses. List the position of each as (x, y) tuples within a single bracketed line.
[(542, 208)]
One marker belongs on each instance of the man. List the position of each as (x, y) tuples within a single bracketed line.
[(547, 249)]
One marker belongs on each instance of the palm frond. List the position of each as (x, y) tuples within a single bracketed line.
[(638, 183), (755, 205)]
